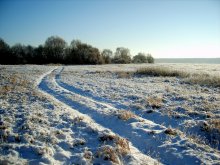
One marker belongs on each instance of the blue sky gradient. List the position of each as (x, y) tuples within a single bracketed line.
[(164, 28)]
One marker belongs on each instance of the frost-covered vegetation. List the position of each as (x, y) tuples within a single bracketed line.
[(109, 114), (194, 78)]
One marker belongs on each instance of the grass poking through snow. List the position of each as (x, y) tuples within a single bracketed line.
[(126, 115), (155, 102), (196, 78), (161, 71)]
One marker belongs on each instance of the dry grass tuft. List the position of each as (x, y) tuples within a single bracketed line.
[(204, 79), (5, 89), (108, 153), (126, 115), (113, 153), (78, 142), (122, 145), (215, 123), (170, 131), (106, 137), (196, 78), (211, 125), (209, 106), (197, 139), (212, 130), (124, 74), (13, 83), (155, 102), (161, 71)]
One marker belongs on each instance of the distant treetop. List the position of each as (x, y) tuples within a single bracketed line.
[(56, 50)]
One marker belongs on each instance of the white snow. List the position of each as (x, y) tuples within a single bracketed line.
[(90, 115)]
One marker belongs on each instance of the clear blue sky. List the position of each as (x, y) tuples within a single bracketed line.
[(164, 28)]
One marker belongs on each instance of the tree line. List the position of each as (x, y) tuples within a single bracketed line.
[(56, 50)]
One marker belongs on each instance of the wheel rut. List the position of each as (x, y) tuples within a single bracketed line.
[(148, 137)]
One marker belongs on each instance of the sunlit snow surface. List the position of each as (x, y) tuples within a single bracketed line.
[(77, 115)]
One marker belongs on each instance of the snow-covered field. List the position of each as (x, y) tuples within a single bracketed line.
[(105, 115)]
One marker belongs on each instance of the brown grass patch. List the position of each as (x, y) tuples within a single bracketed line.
[(126, 115), (124, 74), (78, 142), (106, 137), (121, 144), (161, 71), (155, 102), (196, 78), (108, 153), (213, 124), (113, 153), (5, 89), (170, 131), (204, 79)]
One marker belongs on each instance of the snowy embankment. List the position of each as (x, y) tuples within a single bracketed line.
[(100, 115)]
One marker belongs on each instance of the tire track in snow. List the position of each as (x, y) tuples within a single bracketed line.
[(40, 83), (181, 123), (170, 151), (156, 117)]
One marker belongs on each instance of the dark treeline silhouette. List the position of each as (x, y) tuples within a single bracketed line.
[(55, 50)]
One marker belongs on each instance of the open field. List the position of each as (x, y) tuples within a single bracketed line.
[(110, 114)]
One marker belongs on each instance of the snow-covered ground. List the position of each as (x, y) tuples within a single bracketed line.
[(102, 115)]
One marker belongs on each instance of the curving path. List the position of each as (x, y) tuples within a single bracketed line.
[(147, 136)]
